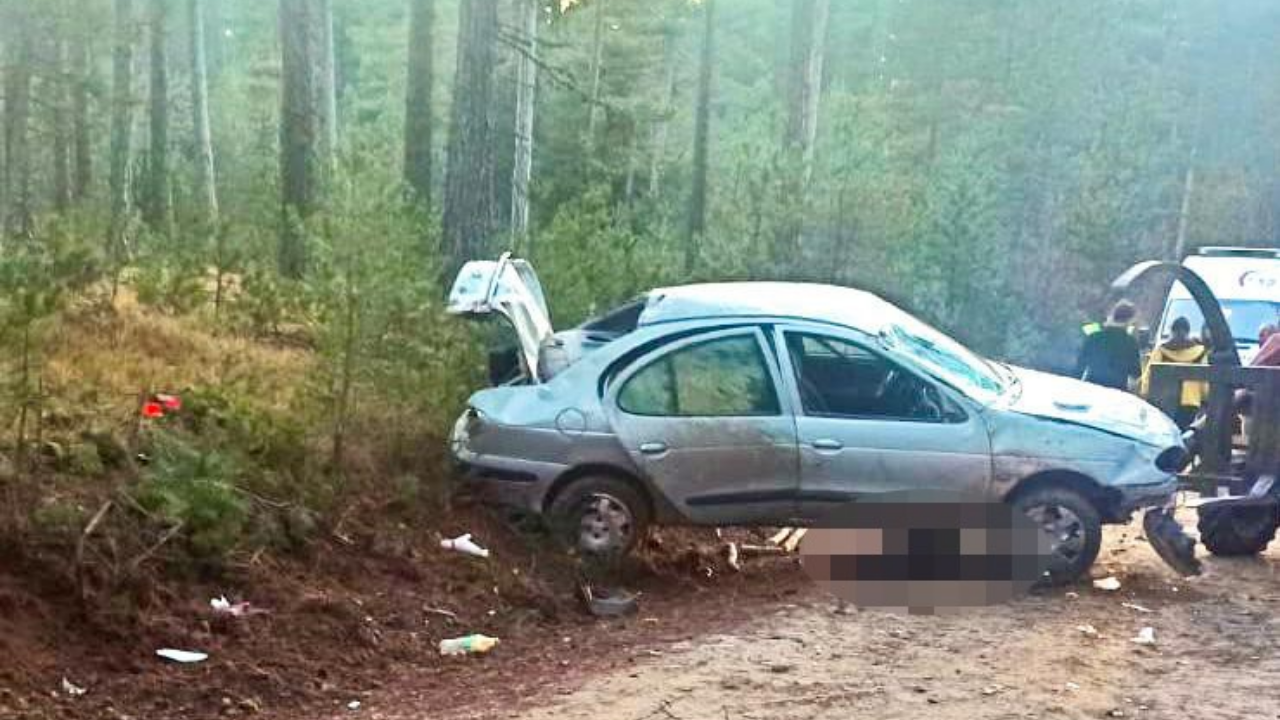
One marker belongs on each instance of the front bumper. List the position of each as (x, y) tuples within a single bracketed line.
[(1146, 495)]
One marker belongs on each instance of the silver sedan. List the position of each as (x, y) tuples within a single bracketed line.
[(761, 403)]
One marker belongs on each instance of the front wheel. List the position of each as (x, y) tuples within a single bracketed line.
[(599, 516), (1074, 531)]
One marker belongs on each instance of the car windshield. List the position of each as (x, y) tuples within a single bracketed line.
[(1246, 317), (946, 359)]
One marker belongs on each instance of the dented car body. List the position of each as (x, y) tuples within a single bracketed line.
[(767, 403)]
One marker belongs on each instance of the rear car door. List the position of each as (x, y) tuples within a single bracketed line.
[(703, 417), (866, 424)]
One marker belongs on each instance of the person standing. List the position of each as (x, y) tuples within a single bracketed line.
[(1110, 354), (1180, 349)]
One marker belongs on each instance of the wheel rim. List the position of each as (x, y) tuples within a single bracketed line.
[(1064, 528), (605, 525)]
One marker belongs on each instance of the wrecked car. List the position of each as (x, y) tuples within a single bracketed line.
[(766, 403)]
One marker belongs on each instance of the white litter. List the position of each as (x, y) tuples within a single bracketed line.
[(1072, 686), (1107, 583), (222, 606), (1089, 630), (182, 656), (463, 544), (1145, 636), (1139, 608), (733, 557), (353, 705), (72, 689)]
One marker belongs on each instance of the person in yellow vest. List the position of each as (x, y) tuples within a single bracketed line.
[(1180, 349)]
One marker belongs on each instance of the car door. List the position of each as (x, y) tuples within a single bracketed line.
[(866, 424), (703, 418)]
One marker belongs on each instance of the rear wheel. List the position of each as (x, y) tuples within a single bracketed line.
[(1073, 526), (599, 516), (1241, 526)]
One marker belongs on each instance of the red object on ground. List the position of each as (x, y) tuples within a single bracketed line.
[(152, 410)]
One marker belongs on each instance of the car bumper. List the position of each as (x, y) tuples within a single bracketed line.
[(515, 483), (1146, 495)]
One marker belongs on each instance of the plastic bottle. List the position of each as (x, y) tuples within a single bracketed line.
[(463, 544), (468, 645)]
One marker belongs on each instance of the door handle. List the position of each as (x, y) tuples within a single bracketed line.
[(653, 448), (827, 444)]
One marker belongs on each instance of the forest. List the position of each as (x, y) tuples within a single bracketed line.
[(303, 177), (252, 210)]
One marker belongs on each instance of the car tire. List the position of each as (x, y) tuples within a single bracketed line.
[(599, 516), (1064, 511), (1233, 528)]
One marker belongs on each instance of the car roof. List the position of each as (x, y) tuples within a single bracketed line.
[(857, 309)]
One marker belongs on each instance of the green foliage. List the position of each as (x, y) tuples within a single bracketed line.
[(195, 487)]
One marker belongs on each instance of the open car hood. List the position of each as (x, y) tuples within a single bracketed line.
[(509, 287)]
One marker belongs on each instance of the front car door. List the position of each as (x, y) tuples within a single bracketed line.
[(703, 417), (866, 424)]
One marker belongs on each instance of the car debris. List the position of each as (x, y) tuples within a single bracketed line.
[(182, 656), (608, 602), (1109, 583), (72, 689), (465, 545), (1136, 607), (468, 645), (1145, 636)]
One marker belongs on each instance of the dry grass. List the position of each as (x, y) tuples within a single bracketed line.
[(101, 354)]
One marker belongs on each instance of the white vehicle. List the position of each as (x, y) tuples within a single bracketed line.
[(1246, 282)]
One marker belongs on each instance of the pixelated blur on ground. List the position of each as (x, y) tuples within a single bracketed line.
[(1062, 654)]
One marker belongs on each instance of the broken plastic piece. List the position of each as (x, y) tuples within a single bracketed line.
[(1109, 583), (72, 689), (1087, 629), (182, 656), (463, 544), (1139, 608)]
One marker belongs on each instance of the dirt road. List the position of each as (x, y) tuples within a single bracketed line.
[(1216, 655)]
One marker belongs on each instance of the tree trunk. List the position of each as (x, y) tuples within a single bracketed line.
[(61, 108), (469, 202), (417, 111), (301, 127), (1184, 210), (82, 80), (701, 140), (597, 70), (808, 49), (662, 125), (328, 86), (121, 125), (17, 141), (206, 178), (157, 208), (526, 98)]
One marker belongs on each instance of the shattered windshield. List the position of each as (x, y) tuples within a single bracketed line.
[(947, 359)]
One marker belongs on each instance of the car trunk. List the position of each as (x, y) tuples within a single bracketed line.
[(509, 287)]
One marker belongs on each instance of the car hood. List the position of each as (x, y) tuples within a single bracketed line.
[(1063, 399)]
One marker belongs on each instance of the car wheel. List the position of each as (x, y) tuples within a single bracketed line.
[(599, 516), (1073, 526), (1238, 527)]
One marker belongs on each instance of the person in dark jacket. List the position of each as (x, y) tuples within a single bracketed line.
[(1110, 355)]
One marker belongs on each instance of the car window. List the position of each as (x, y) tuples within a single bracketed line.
[(838, 378), (723, 377)]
